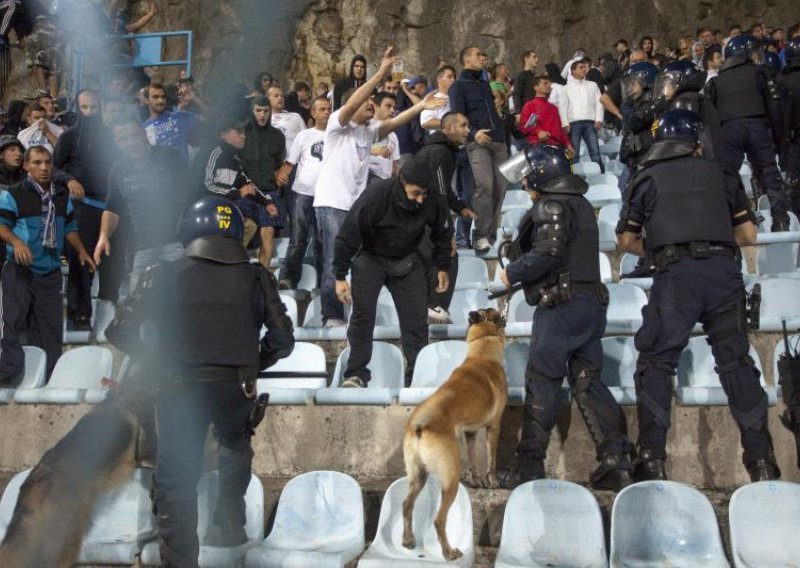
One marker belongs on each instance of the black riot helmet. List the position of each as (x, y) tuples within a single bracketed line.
[(678, 125), (746, 46), (791, 52), (212, 227), (773, 61), (676, 77), (638, 79), (538, 164)]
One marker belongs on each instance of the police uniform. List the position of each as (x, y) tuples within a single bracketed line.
[(557, 264), (747, 101), (687, 205), (207, 311), (637, 119), (789, 82)]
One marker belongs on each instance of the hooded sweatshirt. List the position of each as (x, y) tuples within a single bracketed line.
[(263, 153), (86, 151), (350, 82), (439, 153)]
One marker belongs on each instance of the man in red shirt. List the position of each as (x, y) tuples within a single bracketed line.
[(539, 120)]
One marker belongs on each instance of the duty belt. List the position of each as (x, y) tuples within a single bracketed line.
[(698, 249)]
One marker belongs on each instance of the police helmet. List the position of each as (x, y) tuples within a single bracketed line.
[(547, 163), (642, 74), (791, 52), (679, 125), (747, 46), (211, 216), (773, 61), (677, 75)]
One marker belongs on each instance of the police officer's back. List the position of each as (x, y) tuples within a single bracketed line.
[(789, 81), (695, 215)]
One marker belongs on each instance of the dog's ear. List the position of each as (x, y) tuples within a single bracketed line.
[(474, 317)]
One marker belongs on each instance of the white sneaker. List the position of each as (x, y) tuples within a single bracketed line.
[(438, 315), (482, 245), (335, 322)]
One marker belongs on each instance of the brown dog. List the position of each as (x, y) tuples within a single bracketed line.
[(473, 398)]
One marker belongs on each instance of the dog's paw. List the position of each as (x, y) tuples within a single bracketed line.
[(409, 542), (452, 554), (470, 480)]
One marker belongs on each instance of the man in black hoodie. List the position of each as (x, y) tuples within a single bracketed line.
[(378, 242), (439, 153), (356, 78)]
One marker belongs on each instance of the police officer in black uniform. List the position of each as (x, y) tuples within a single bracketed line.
[(204, 314), (696, 216), (638, 114), (789, 82), (746, 97), (555, 259)]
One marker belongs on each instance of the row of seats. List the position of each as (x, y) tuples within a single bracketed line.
[(319, 522)]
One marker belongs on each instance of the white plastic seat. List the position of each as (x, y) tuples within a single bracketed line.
[(619, 366), (664, 523), (388, 370), (312, 329), (77, 376), (541, 520), (72, 337), (516, 355), (626, 265), (281, 247), (625, 308), (35, 372), (603, 194), (387, 549), (780, 300), (745, 171), (305, 357), (520, 316), (104, 312), (614, 167), (510, 219), (516, 199), (472, 273), (465, 301), (611, 148), (207, 531), (319, 523), (764, 525), (607, 221), (9, 501), (698, 382), (585, 168), (291, 308), (777, 260), (435, 363), (765, 235), (606, 275), (763, 203)]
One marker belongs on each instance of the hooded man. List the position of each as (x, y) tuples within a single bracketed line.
[(356, 78)]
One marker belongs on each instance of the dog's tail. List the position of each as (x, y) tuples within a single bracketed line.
[(421, 420)]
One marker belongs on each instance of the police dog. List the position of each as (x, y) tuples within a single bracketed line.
[(473, 398)]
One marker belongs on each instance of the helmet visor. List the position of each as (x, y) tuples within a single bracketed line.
[(515, 169), (757, 56), (631, 87), (665, 86)]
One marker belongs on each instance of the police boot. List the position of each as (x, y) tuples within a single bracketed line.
[(614, 473), (528, 469), (763, 470), (648, 466)]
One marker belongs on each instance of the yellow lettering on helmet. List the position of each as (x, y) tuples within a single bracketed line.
[(220, 208), (224, 224)]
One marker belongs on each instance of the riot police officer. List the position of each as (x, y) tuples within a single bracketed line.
[(789, 82), (556, 262), (746, 98), (204, 314), (638, 114), (696, 216)]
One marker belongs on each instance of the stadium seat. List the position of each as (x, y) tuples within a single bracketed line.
[(606, 275), (763, 203), (104, 314), (626, 265), (764, 525), (520, 316), (625, 308), (434, 365), (510, 220), (602, 179), (495, 285), (387, 549), (516, 362), (603, 194), (607, 224), (388, 368), (516, 199), (778, 261), (745, 171), (312, 329), (35, 372), (73, 337), (664, 523), (611, 148), (307, 284), (780, 300), (319, 523), (280, 248), (615, 167), (540, 522), (291, 308), (619, 366), (472, 273), (305, 358), (77, 376), (463, 302), (208, 532), (585, 169), (9, 501), (698, 382), (765, 235)]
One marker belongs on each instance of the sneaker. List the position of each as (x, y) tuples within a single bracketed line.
[(780, 226), (352, 383), (438, 315), (80, 323), (334, 322), (482, 245), (284, 284)]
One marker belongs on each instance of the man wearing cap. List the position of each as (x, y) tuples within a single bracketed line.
[(378, 245)]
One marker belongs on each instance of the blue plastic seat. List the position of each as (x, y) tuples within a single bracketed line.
[(778, 260), (306, 357), (664, 523), (603, 194), (388, 369), (780, 300), (516, 354), (76, 378), (387, 549), (625, 308), (540, 525), (607, 221), (472, 273), (319, 522), (515, 199), (619, 366), (626, 265), (34, 375), (435, 363), (764, 525)]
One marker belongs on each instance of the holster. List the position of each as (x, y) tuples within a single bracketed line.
[(754, 308), (668, 254), (789, 377), (257, 413)]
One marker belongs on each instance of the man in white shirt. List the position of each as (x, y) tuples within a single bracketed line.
[(349, 137), (40, 131), (581, 112), (289, 123), (431, 120), (384, 159), (306, 156)]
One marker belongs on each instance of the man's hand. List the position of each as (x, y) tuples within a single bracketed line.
[(86, 260), (570, 152), (389, 59), (598, 125), (381, 151), (504, 279), (343, 291), (482, 137), (282, 177), (22, 253), (43, 126), (467, 213), (246, 190), (444, 282), (103, 248), (272, 210), (566, 128), (431, 102), (543, 135), (76, 190)]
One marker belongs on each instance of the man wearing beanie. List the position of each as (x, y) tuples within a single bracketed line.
[(378, 245)]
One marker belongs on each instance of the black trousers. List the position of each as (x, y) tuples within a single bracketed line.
[(31, 303), (435, 298), (408, 293), (710, 291), (184, 411)]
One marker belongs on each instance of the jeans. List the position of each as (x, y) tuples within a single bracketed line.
[(304, 225), (465, 187), (585, 130), (490, 186), (147, 257), (329, 222)]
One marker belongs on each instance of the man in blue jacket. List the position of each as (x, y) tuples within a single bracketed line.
[(486, 146)]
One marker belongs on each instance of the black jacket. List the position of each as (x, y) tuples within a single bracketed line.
[(440, 155), (523, 89), (224, 174), (350, 82), (385, 223), (471, 96), (86, 151)]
